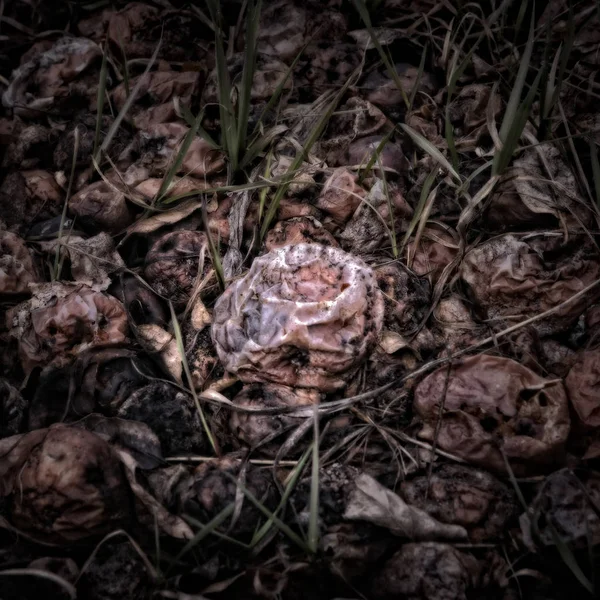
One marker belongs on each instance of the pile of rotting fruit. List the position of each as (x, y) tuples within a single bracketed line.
[(359, 364)]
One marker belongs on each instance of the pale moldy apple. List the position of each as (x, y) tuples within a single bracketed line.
[(288, 295), (304, 315)]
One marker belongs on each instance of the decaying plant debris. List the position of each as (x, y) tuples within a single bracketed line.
[(299, 300)]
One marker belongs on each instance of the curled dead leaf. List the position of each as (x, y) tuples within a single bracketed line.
[(370, 501), (156, 341)]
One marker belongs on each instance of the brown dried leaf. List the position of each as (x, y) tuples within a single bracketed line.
[(374, 503), (102, 207), (173, 263), (464, 496), (93, 260), (565, 502), (158, 144), (155, 340), (157, 91)]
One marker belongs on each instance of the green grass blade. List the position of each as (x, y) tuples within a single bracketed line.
[(449, 136), (130, 100), (392, 228), (420, 206), (202, 17), (207, 529), (285, 529), (57, 258), (511, 141), (569, 559), (263, 193), (521, 17), (595, 170), (457, 72), (179, 158), (101, 98), (187, 115), (253, 185), (550, 92), (515, 96), (260, 144), (289, 488), (314, 135), (364, 15), (413, 92), (229, 140), (313, 520), (375, 156), (430, 149), (566, 52), (250, 52), (467, 183), (214, 251), (217, 533), (186, 368)]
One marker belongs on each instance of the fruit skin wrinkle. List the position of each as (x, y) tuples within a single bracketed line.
[(304, 315)]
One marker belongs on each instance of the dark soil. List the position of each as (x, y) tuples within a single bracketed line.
[(358, 358)]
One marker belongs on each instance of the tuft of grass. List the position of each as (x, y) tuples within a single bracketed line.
[(285, 529), (205, 530), (289, 488), (517, 112), (234, 123)]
